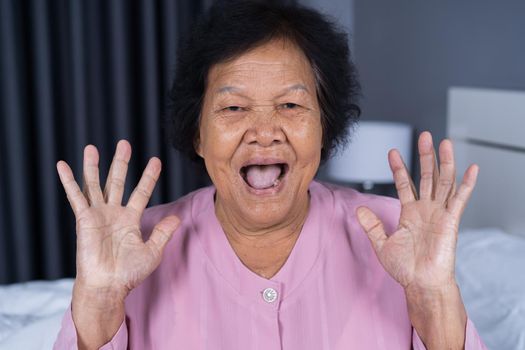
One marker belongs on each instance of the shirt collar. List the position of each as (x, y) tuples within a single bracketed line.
[(300, 262)]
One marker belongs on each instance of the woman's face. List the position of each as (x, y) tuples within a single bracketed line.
[(260, 133)]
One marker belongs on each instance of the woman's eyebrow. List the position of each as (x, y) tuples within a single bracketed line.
[(293, 88), (228, 89)]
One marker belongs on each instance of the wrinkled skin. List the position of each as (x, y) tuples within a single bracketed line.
[(261, 104), (421, 253)]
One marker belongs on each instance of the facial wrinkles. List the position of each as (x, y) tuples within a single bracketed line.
[(276, 105), (257, 72), (266, 121), (265, 110), (266, 113), (257, 86)]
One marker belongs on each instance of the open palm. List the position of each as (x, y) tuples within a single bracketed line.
[(111, 254), (421, 253)]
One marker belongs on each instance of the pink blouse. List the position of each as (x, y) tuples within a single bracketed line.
[(332, 293)]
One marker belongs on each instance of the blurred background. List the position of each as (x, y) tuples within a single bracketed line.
[(77, 72)]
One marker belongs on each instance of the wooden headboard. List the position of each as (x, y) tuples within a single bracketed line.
[(487, 127)]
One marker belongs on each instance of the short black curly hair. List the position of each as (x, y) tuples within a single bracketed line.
[(230, 28)]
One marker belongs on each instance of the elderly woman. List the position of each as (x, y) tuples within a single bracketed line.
[(267, 258)]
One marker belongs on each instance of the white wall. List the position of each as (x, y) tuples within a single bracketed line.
[(410, 52)]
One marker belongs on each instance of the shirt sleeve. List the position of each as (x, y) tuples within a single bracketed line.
[(67, 336), (472, 339)]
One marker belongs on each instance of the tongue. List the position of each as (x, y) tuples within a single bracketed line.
[(262, 176)]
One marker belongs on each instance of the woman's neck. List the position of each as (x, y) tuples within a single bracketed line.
[(263, 250)]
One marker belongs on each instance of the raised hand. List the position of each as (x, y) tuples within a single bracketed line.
[(421, 253), (112, 257)]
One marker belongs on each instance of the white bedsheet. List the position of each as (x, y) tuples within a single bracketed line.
[(31, 313), (490, 271)]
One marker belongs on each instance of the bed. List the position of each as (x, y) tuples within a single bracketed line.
[(486, 127), (30, 313)]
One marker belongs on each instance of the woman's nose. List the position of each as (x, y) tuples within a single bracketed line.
[(265, 129)]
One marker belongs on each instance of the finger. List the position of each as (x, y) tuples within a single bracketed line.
[(74, 195), (427, 159), (373, 227), (142, 193), (91, 178), (162, 233), (458, 202), (404, 185), (447, 172), (114, 189)]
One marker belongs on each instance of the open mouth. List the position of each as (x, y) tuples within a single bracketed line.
[(264, 176)]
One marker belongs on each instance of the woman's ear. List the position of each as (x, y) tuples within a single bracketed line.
[(197, 144)]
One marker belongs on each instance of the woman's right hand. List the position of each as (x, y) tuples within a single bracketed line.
[(112, 257)]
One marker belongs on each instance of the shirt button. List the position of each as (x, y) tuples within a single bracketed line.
[(269, 295)]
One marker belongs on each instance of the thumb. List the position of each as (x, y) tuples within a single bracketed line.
[(373, 227), (162, 232)]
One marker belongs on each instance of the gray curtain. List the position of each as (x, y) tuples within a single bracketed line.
[(71, 73)]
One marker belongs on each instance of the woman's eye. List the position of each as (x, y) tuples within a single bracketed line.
[(290, 105), (233, 108)]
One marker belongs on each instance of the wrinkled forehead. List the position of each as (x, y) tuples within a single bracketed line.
[(267, 69)]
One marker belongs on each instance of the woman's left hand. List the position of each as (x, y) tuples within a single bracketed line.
[(420, 255)]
